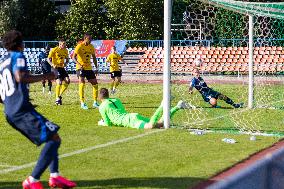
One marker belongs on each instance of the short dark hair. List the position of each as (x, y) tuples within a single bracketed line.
[(12, 40), (114, 48), (104, 93), (61, 40), (87, 35)]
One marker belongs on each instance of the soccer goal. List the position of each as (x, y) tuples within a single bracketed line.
[(238, 48)]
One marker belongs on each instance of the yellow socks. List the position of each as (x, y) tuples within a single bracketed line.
[(112, 84), (116, 84), (63, 89), (95, 92), (81, 92), (57, 90)]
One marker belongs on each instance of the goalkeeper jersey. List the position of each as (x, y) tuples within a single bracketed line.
[(113, 112)]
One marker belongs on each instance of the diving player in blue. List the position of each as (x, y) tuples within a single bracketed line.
[(208, 94), (21, 115), (45, 68)]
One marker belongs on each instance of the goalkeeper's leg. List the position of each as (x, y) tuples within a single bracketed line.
[(155, 122), (229, 101)]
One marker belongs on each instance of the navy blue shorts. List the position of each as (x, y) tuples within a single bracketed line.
[(210, 94), (45, 67), (33, 126)]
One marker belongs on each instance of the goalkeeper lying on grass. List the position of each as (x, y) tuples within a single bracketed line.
[(114, 114)]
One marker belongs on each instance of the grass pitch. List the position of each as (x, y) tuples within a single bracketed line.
[(167, 159)]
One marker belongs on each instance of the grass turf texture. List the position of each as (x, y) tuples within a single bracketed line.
[(168, 159)]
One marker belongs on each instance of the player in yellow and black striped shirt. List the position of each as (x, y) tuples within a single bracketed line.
[(58, 58), (83, 53), (114, 69)]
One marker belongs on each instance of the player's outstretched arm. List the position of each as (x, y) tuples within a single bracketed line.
[(26, 77), (105, 117), (190, 90)]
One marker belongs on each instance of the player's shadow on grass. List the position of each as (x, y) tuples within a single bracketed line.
[(156, 182)]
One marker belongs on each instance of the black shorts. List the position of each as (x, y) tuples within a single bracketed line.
[(45, 68), (34, 126), (89, 74), (211, 94), (62, 73), (115, 74), (45, 71)]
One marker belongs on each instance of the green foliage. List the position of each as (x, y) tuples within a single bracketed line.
[(9, 15), (230, 25), (135, 19), (178, 8), (34, 18), (85, 16)]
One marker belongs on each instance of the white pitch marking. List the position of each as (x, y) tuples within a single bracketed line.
[(5, 165), (28, 165)]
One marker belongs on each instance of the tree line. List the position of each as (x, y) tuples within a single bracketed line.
[(104, 19)]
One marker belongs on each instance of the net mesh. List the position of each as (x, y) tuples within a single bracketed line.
[(220, 31)]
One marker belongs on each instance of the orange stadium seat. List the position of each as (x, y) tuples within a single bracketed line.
[(268, 59)]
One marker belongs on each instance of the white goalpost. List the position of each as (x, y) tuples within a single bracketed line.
[(251, 48), (167, 63)]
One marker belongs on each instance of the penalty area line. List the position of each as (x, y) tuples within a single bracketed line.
[(84, 150)]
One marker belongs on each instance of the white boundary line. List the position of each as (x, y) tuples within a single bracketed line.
[(6, 166), (28, 165)]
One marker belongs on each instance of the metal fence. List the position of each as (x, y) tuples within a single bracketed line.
[(160, 43), (267, 173)]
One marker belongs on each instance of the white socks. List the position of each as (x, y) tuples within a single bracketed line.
[(54, 175), (32, 179)]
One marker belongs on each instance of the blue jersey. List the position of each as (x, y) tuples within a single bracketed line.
[(14, 95), (200, 85), (46, 67)]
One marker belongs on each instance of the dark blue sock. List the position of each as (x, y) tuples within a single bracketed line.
[(53, 166), (49, 85), (47, 155)]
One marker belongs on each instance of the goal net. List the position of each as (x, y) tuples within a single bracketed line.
[(218, 31)]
